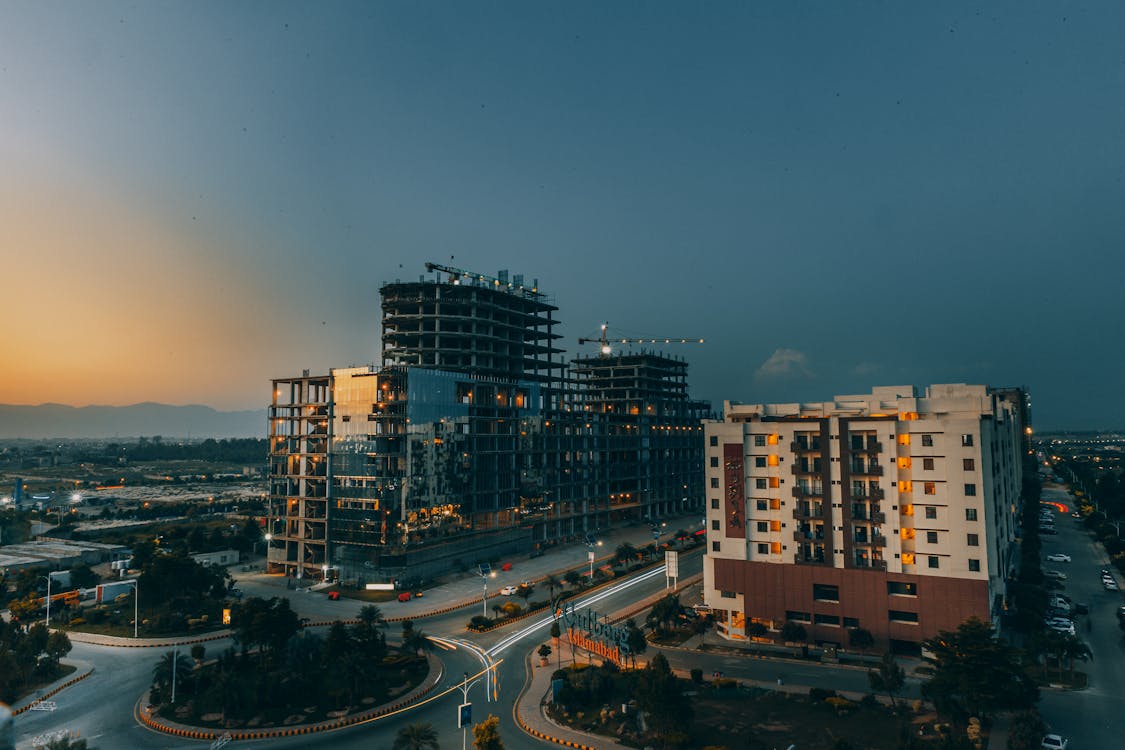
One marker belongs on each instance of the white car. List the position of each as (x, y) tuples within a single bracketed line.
[(1110, 585), (508, 591), (1058, 575), (1058, 628), (1054, 742), (1058, 557)]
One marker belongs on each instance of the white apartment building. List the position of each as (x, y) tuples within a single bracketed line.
[(892, 511)]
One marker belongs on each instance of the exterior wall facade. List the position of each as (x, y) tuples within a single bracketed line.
[(891, 512), (472, 441)]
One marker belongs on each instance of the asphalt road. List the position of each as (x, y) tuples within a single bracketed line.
[(1093, 718)]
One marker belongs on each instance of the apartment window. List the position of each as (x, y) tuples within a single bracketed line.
[(715, 546), (932, 560), (792, 616), (927, 464), (970, 514), (896, 615), (966, 440), (714, 441), (763, 527), (728, 594), (974, 565), (972, 540), (824, 592), (714, 524), (929, 488), (763, 548), (931, 512), (760, 483), (970, 490), (928, 441), (968, 464), (714, 503), (759, 462), (851, 622), (826, 620), (775, 482), (902, 588), (931, 537), (714, 483), (714, 462), (763, 505), (759, 440)]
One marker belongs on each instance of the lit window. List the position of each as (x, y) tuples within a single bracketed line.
[(775, 482), (906, 533), (775, 525), (906, 486), (907, 558), (775, 548), (908, 510), (904, 462), (772, 439), (929, 488), (904, 439), (771, 460), (775, 504)]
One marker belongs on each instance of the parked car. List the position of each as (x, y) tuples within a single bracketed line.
[(1064, 621), (1121, 612), (1060, 628), (1075, 514), (1048, 530), (1058, 557), (1054, 742), (1110, 585), (508, 591), (334, 595), (1058, 575), (404, 596)]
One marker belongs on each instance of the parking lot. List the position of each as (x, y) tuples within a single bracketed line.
[(1095, 717)]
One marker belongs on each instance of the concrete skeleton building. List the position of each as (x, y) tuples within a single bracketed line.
[(894, 512), (473, 438)]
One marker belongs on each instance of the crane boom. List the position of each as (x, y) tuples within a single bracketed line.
[(456, 274), (605, 341)]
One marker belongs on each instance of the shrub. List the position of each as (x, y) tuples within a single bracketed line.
[(869, 701), (697, 676), (821, 694), (479, 622)]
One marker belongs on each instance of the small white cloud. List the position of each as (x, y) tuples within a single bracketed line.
[(785, 363)]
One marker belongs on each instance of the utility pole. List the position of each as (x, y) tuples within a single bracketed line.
[(465, 710)]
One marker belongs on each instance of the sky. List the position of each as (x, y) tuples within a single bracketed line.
[(196, 197)]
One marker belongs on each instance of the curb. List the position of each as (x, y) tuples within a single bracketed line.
[(218, 635), (535, 732), (273, 733), (53, 692)]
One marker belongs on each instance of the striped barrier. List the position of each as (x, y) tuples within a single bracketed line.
[(53, 692)]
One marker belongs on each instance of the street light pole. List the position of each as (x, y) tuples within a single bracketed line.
[(48, 577), (136, 608)]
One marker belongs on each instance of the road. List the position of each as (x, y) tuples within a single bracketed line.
[(1095, 717)]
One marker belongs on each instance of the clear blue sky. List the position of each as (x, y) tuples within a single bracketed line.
[(198, 196)]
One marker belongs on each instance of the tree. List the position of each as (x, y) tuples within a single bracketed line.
[(572, 578), (793, 631), (58, 646), (661, 696), (556, 631), (552, 582), (664, 612), (172, 661), (544, 651), (371, 616), (420, 735), (636, 641), (861, 639), (890, 678), (1025, 730), (624, 553), (486, 735), (974, 674), (418, 642)]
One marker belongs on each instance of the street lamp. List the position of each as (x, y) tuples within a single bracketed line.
[(136, 599), (485, 572), (48, 577), (590, 545)]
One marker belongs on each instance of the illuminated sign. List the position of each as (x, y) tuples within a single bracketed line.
[(594, 630)]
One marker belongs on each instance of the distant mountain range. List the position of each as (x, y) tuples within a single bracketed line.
[(148, 419)]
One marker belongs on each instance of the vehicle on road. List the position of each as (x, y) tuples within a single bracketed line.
[(404, 596), (1121, 612), (1110, 585), (1058, 557), (1059, 628), (1075, 514), (508, 591), (1058, 575), (334, 595), (1054, 742)]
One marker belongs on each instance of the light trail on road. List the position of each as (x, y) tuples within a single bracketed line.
[(594, 599)]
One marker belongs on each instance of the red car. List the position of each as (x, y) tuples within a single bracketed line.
[(334, 595), (404, 596)]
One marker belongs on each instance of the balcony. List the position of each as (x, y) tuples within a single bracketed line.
[(872, 446), (800, 492), (810, 560), (871, 469), (878, 518), (799, 447), (878, 564), (797, 469), (808, 536)]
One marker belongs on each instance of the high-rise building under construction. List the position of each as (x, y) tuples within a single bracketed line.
[(473, 438)]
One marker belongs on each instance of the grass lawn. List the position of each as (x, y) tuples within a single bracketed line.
[(63, 671)]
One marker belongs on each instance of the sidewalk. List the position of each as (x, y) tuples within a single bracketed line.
[(530, 715)]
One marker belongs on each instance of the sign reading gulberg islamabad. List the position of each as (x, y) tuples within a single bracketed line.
[(593, 632)]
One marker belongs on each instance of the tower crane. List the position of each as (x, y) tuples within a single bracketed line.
[(604, 341), (456, 275)]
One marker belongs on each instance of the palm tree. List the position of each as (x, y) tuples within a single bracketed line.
[(172, 661), (371, 616), (417, 736), (418, 642), (552, 582)]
